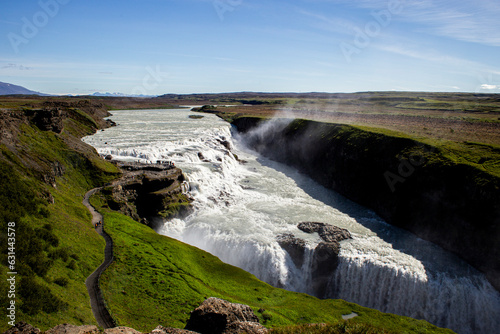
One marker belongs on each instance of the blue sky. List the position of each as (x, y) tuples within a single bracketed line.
[(193, 46)]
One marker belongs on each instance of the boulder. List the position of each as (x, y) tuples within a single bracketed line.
[(245, 327), (22, 328), (327, 232), (121, 330), (294, 246), (170, 330), (202, 157), (325, 261), (326, 254), (217, 316), (325, 257), (72, 329), (225, 143)]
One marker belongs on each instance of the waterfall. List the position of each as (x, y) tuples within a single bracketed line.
[(242, 205), (465, 304)]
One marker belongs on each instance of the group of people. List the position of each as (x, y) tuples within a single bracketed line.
[(99, 223)]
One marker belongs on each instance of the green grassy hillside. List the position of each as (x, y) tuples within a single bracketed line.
[(43, 177), (158, 280)]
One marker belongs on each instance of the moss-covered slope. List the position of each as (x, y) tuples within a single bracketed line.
[(43, 176)]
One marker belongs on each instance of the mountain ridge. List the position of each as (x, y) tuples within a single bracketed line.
[(11, 89)]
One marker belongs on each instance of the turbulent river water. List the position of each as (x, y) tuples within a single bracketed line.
[(242, 207)]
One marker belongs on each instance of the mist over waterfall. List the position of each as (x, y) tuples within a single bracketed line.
[(243, 201)]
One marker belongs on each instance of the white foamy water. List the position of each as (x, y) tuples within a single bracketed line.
[(241, 208)]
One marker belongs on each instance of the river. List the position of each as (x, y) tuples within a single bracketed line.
[(240, 208)]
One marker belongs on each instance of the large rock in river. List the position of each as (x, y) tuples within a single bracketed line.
[(294, 246), (327, 232), (325, 255)]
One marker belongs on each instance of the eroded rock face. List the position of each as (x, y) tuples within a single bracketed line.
[(325, 261), (294, 246), (325, 255), (147, 191), (217, 316), (49, 119)]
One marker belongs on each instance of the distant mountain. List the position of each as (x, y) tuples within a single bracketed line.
[(10, 89), (120, 95)]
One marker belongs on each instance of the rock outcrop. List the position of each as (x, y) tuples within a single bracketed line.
[(49, 119), (325, 254), (148, 191), (327, 232), (217, 316), (294, 246)]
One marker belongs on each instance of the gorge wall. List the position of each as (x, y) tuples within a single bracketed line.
[(407, 183)]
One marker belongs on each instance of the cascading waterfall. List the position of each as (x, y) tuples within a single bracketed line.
[(242, 207)]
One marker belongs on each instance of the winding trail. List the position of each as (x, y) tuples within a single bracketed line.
[(101, 313)]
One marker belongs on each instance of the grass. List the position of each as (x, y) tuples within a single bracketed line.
[(158, 280), (459, 117), (485, 157), (175, 205), (482, 156), (337, 328), (56, 294)]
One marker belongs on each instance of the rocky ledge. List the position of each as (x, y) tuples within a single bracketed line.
[(213, 316), (325, 254), (147, 191)]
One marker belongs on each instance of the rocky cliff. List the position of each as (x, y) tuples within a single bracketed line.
[(409, 184), (145, 192)]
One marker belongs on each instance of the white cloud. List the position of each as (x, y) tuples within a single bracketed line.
[(471, 21), (429, 55), (328, 23), (17, 67), (489, 87)]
